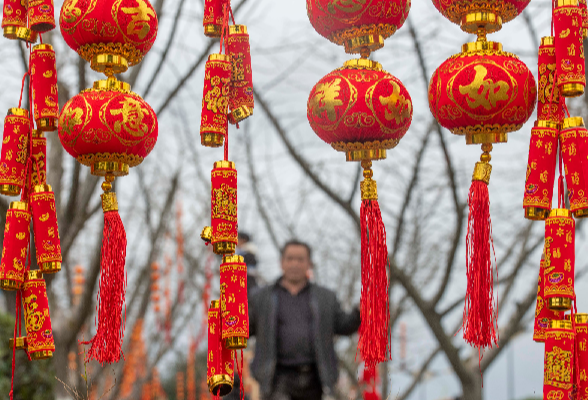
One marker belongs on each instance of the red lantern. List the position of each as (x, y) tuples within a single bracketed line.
[(234, 306), (16, 244), (15, 151), (213, 17), (41, 15), (543, 315), (47, 241), (223, 207), (559, 259), (44, 82), (582, 354), (584, 8), (241, 97), (470, 15), (569, 49), (14, 16), (111, 34), (541, 170), (573, 147), (38, 157), (548, 100), (357, 24), (40, 343), (559, 361), (219, 360), (215, 100)]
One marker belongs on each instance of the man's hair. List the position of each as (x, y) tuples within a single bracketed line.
[(294, 242), (243, 236)]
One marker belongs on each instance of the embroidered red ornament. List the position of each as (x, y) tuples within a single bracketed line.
[(233, 302), (14, 16), (581, 352), (543, 315), (213, 17), (38, 169), (573, 138), (40, 344), (569, 49), (41, 15), (541, 170), (219, 360), (15, 151), (47, 241), (241, 95), (44, 82), (559, 260), (559, 361), (584, 7), (16, 244), (215, 100), (548, 96)]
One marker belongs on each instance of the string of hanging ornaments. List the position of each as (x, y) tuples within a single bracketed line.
[(362, 110), (559, 140), (23, 173), (227, 98), (482, 93), (109, 129)]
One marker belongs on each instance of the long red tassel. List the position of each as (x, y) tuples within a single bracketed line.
[(106, 346), (479, 316), (373, 344)]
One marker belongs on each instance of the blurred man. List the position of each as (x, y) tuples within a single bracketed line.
[(294, 322)]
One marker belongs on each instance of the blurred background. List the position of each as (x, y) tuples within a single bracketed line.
[(291, 185)]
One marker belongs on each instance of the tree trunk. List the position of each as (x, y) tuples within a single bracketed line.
[(472, 389), (60, 361)]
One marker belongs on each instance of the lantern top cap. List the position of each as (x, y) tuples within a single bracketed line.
[(21, 343), (362, 63), (237, 29), (219, 57), (43, 46), (36, 274), (544, 123), (560, 324), (548, 41), (19, 112), (565, 3), (480, 45), (490, 21), (573, 122), (224, 164), (214, 304), (37, 133), (559, 212), (42, 188), (112, 84), (233, 258), (19, 205), (581, 318)]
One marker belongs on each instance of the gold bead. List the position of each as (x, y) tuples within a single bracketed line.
[(106, 186)]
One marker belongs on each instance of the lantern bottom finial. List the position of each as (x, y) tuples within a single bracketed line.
[(212, 139), (220, 385), (116, 168), (50, 267), (236, 343), (26, 35), (572, 89), (358, 43), (10, 285), (10, 32), (582, 213), (41, 355), (224, 247), (239, 114), (109, 64), (486, 137), (489, 21), (560, 303), (212, 30), (21, 343), (536, 213), (10, 190), (47, 124)]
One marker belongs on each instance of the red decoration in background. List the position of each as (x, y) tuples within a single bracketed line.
[(581, 352), (543, 315), (16, 244), (15, 151), (14, 16), (44, 82), (38, 158), (573, 138), (215, 100), (541, 170), (559, 361), (548, 100), (584, 7), (457, 10), (47, 242), (223, 207), (213, 17), (219, 360), (569, 49), (233, 302), (37, 320), (241, 95), (41, 15), (559, 259)]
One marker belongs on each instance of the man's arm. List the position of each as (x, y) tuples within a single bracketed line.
[(346, 323)]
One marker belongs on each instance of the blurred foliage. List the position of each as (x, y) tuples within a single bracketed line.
[(33, 380), (168, 379)]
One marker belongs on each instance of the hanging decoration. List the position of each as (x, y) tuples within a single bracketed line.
[(40, 343), (15, 151), (363, 111), (482, 93), (219, 358), (573, 148), (581, 352), (559, 360), (215, 100), (109, 129), (13, 267), (241, 98), (543, 314), (233, 302)]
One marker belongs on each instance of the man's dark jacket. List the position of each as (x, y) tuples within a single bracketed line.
[(328, 319)]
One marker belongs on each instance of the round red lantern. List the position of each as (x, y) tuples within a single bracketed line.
[(360, 109), (111, 34), (357, 24), (108, 128), (482, 93), (471, 15)]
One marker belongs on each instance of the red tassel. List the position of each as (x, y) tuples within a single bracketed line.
[(106, 346), (479, 317), (373, 344)]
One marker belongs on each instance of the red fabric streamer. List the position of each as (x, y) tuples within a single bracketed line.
[(374, 344), (106, 346), (479, 316)]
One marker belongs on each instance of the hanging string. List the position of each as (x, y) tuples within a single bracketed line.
[(240, 372), (224, 29), (566, 109), (552, 12), (227, 146)]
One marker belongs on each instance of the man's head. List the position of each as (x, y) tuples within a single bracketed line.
[(296, 261)]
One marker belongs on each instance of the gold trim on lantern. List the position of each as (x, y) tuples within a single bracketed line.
[(581, 213), (127, 51), (18, 112), (112, 84), (26, 34), (581, 318), (482, 172), (365, 154), (43, 46), (90, 160), (19, 205), (236, 343), (564, 3), (212, 31), (474, 47), (212, 139), (559, 212), (548, 41), (362, 63), (536, 213), (457, 9), (21, 343), (491, 130), (239, 114), (488, 20), (368, 187), (42, 188), (36, 133), (224, 164), (35, 274), (357, 151), (219, 57), (345, 36), (572, 122), (206, 234), (41, 355), (560, 303), (543, 123), (47, 124), (115, 168), (233, 258), (214, 303), (109, 63), (572, 89), (50, 267), (237, 29), (109, 202), (371, 42), (10, 285), (560, 324), (10, 190), (486, 137), (224, 247), (217, 384), (10, 32)]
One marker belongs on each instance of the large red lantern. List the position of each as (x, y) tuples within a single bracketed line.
[(111, 34), (357, 24)]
